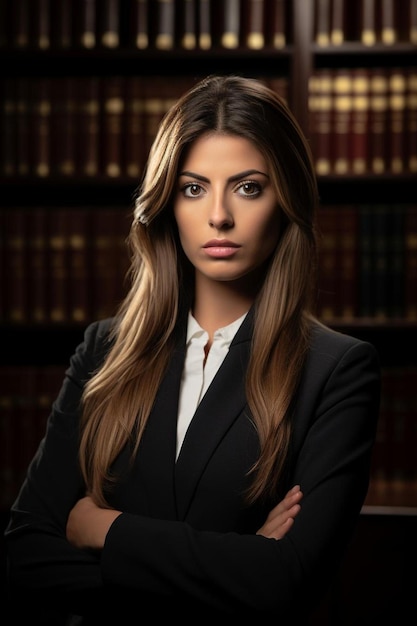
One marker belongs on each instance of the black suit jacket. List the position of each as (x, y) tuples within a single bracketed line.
[(186, 540)]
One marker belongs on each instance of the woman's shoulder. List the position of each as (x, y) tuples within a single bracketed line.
[(326, 340)]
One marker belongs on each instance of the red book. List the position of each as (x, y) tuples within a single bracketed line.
[(411, 119), (397, 86), (359, 136), (113, 98), (321, 111), (410, 261), (378, 125), (342, 120)]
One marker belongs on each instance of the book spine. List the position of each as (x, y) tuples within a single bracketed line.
[(276, 24), (328, 263), (63, 116), (410, 260), (62, 24), (41, 24), (205, 39), (389, 33), (360, 121), (87, 25), (337, 24), (110, 23), (321, 110), (366, 274), (57, 237), (368, 24), (379, 262), (88, 114), (322, 22), (113, 125), (41, 126), (165, 31), (378, 130), (9, 155), (230, 37), (79, 310), (412, 30), (255, 25), (16, 265), (23, 126), (8, 489), (38, 284), (397, 88), (395, 261), (189, 29), (411, 120), (347, 282), (134, 155), (21, 13), (140, 24), (342, 106)]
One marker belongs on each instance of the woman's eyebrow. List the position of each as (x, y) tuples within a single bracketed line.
[(231, 179)]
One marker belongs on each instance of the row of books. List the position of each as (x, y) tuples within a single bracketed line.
[(86, 126), (62, 265), (370, 22), (68, 264), (364, 120), (27, 392), (143, 24), (368, 262)]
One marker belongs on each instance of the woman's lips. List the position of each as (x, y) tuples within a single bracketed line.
[(220, 249)]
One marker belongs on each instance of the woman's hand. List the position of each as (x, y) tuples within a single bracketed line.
[(281, 518), (88, 524)]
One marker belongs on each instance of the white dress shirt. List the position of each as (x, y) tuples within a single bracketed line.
[(197, 374)]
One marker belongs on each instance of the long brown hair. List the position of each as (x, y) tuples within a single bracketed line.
[(117, 400)]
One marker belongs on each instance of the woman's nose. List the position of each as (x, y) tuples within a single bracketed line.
[(220, 215)]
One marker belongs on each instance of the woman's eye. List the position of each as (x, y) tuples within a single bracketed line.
[(249, 188), (192, 190)]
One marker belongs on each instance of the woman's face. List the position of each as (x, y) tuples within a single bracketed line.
[(225, 208)]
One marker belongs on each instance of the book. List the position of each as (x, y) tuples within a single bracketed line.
[(189, 22), (411, 120), (140, 24), (276, 24), (135, 131), (9, 157), (23, 145), (342, 113), (255, 25), (348, 263), (87, 24), (57, 240), (395, 260), (20, 19), (321, 109), (88, 115), (40, 131), (359, 134), (165, 25), (41, 18), (16, 277), (63, 131), (113, 118), (366, 261), (378, 283), (62, 24), (410, 262), (397, 100), (322, 22), (368, 23), (230, 35), (8, 393), (37, 286), (337, 22), (110, 23), (389, 32), (412, 31), (328, 270), (378, 129), (79, 238), (205, 23)]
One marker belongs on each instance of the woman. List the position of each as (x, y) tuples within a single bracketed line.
[(209, 450)]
